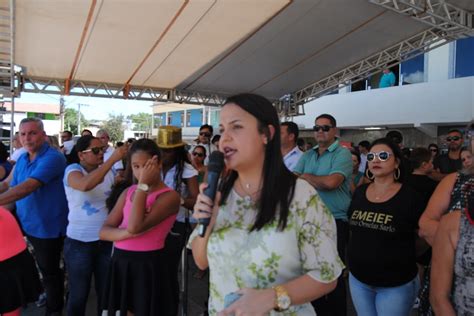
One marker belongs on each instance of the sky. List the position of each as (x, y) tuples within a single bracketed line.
[(91, 108)]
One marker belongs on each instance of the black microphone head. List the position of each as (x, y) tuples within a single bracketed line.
[(216, 162)]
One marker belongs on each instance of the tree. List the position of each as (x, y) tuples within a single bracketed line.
[(141, 121), (70, 121), (114, 127)]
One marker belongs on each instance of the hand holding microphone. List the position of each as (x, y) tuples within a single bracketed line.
[(203, 208)]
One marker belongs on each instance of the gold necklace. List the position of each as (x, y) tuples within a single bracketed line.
[(384, 193), (249, 195)]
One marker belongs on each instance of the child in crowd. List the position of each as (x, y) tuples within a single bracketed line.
[(19, 281), (139, 224)]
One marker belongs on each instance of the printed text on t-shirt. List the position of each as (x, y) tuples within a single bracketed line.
[(372, 220)]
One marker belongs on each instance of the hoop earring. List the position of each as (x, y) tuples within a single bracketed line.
[(396, 175), (368, 173)]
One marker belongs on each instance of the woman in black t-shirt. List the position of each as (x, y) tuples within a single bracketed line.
[(383, 219)]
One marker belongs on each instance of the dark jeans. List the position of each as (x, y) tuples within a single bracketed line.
[(335, 303), (173, 249), (48, 255), (82, 260)]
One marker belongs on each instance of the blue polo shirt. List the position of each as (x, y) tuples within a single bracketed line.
[(336, 159), (42, 213)]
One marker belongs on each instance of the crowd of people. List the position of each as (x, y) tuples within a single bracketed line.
[(291, 227)]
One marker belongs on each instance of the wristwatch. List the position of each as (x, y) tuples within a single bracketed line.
[(283, 300), (143, 187)]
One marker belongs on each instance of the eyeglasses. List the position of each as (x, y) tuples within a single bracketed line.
[(434, 150), (205, 134), (324, 128), (453, 138), (198, 154), (94, 150), (382, 155)]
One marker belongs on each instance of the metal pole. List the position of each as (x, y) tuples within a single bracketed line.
[(12, 72), (61, 112), (78, 119)]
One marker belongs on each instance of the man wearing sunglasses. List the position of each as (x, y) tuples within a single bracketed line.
[(328, 168), (38, 192), (204, 139), (450, 162)]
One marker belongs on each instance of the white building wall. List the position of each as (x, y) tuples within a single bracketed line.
[(438, 62), (434, 103), (51, 127)]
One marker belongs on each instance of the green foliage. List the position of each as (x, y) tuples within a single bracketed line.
[(142, 121), (114, 126), (70, 121)]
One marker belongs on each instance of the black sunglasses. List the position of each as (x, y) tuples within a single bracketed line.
[(324, 128), (434, 150), (382, 155), (94, 150), (198, 154), (205, 134), (453, 138)]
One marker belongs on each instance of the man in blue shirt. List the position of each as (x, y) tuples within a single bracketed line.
[(38, 192), (387, 79), (328, 168), (290, 151)]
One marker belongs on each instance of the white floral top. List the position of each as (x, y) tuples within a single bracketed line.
[(261, 259)]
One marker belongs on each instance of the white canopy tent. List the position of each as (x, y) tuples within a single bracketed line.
[(199, 51)]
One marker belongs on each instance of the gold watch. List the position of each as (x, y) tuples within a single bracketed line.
[(282, 299)]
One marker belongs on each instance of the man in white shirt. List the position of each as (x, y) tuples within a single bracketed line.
[(103, 135), (290, 151), (363, 150), (18, 149)]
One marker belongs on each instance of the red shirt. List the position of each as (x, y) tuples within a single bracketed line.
[(11, 238)]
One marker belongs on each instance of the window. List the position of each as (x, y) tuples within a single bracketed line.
[(194, 118), (464, 58), (413, 70), (159, 119), (215, 118), (176, 118)]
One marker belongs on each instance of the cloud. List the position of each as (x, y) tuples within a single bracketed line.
[(414, 77)]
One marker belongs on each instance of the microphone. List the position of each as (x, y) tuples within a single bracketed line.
[(216, 164)]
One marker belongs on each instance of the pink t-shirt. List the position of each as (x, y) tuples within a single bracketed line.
[(11, 238), (154, 239)]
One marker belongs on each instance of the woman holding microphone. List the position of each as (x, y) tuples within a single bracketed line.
[(271, 241)]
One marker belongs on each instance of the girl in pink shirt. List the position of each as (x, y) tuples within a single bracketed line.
[(138, 225), (19, 281)]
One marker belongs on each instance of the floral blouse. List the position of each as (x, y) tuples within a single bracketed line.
[(261, 259)]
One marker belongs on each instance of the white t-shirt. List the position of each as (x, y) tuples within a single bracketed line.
[(118, 165), (87, 210), (68, 146), (17, 153), (188, 172), (363, 163), (292, 157)]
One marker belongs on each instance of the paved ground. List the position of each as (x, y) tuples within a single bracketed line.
[(197, 296)]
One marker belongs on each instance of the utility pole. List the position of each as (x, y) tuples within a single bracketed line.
[(79, 117), (61, 112)]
